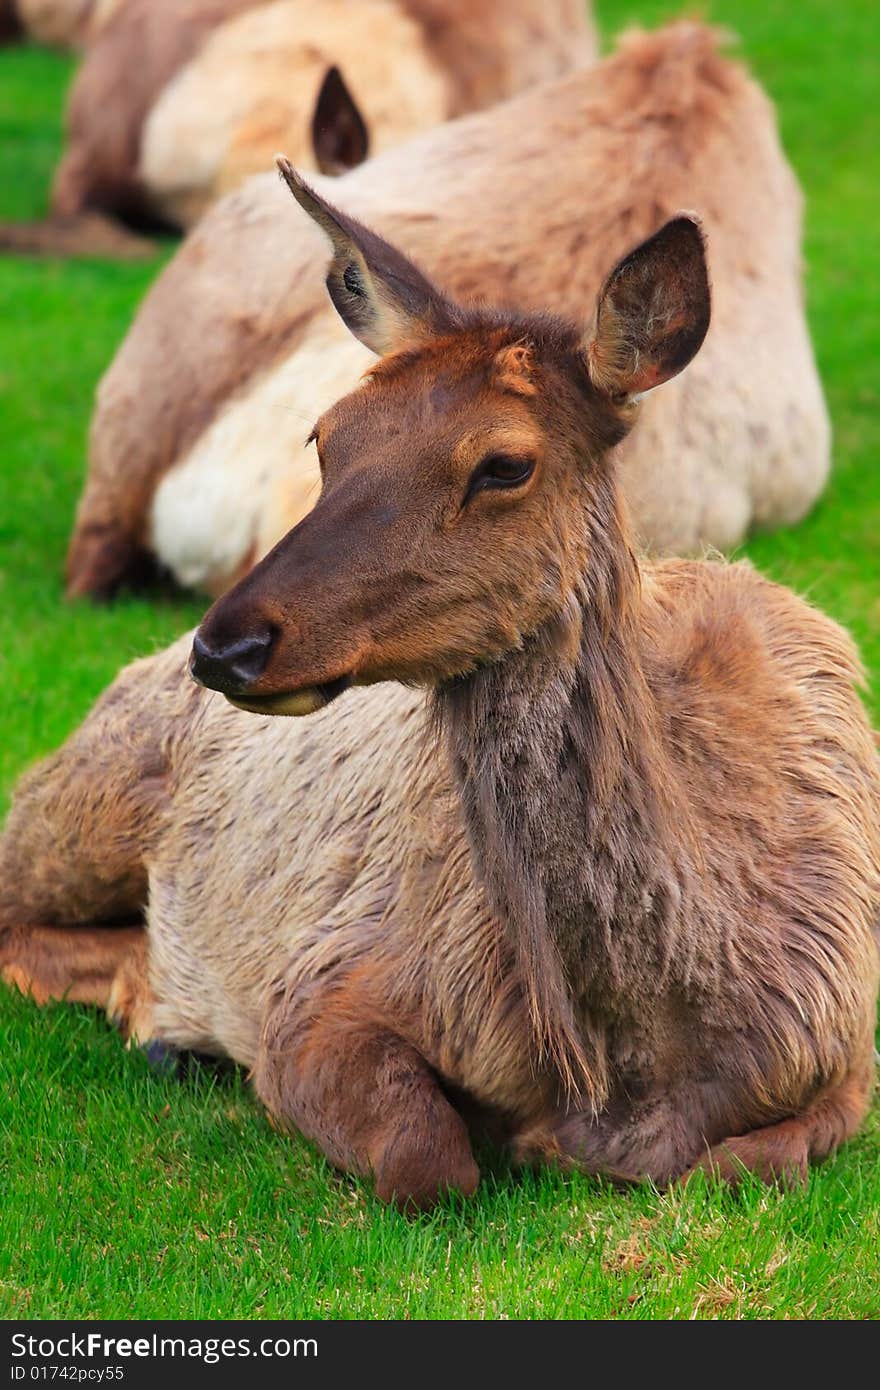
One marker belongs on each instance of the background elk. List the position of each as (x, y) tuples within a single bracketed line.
[(196, 453), (611, 887), (176, 101)]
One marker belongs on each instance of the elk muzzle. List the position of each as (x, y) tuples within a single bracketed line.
[(231, 667)]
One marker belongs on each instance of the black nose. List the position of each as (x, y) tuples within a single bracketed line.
[(233, 667)]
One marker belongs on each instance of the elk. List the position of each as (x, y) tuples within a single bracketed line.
[(212, 90), (196, 455), (600, 871)]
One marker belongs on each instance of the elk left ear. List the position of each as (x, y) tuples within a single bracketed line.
[(381, 297), (339, 132), (653, 312)]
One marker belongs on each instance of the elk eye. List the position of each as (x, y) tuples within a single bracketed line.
[(352, 281), (500, 470)]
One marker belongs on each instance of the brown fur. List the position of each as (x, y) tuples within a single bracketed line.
[(483, 46), (61, 23), (527, 204), (613, 887), (79, 964)]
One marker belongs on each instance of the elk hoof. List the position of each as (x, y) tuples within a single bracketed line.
[(167, 1061)]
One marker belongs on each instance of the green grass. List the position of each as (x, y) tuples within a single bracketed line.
[(59, 326), (128, 1194)]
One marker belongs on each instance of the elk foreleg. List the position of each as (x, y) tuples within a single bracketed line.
[(333, 1068)]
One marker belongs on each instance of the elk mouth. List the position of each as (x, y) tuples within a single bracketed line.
[(306, 700)]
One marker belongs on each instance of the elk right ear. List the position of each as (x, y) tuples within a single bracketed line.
[(653, 312), (381, 297), (339, 132)]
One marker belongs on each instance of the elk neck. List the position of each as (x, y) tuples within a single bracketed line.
[(557, 753)]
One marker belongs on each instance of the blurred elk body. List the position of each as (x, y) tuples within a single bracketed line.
[(600, 872), (197, 453), (176, 101), (62, 23)]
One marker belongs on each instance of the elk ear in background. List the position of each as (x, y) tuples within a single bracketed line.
[(340, 137)]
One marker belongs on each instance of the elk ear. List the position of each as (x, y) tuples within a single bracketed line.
[(339, 132), (379, 294), (653, 312)]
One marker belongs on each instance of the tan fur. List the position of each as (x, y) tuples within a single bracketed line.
[(492, 52), (104, 966), (527, 204), (128, 63), (252, 88), (64, 23), (82, 234), (177, 100)]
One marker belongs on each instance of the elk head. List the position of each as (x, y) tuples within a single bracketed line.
[(465, 480)]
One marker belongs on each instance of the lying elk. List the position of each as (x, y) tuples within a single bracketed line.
[(177, 101), (196, 453), (611, 885)]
